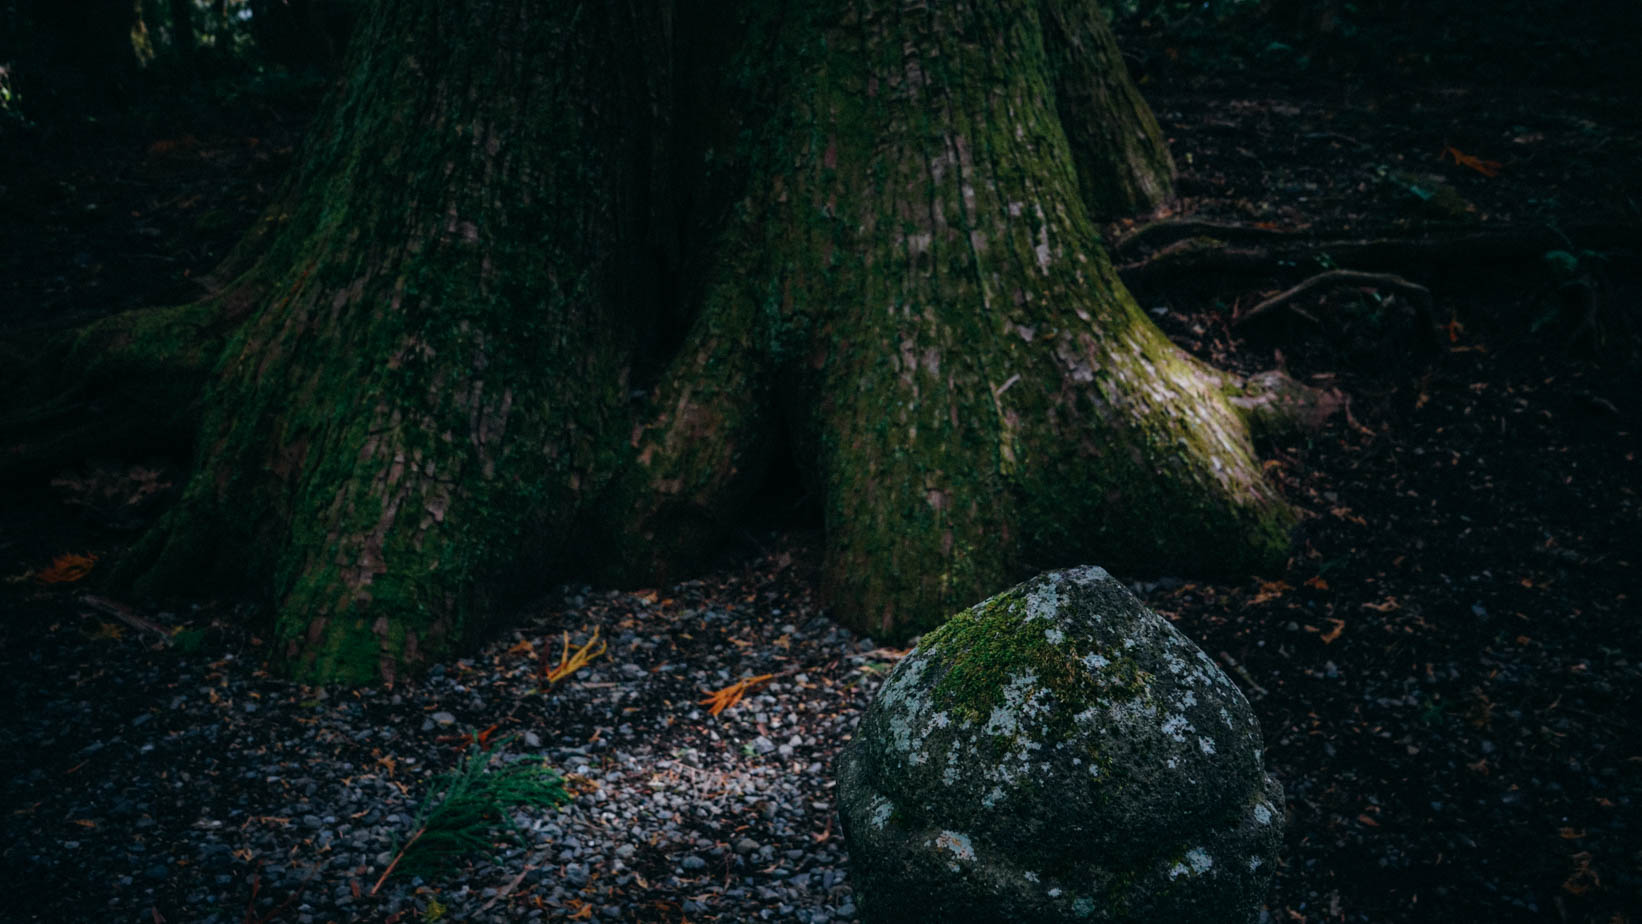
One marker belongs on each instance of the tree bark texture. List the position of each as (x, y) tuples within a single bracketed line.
[(550, 291), (913, 281), (397, 434)]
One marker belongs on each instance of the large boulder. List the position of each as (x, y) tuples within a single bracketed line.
[(1059, 753)]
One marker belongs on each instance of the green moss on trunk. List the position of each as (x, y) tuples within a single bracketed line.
[(972, 388), (882, 223), (415, 414)]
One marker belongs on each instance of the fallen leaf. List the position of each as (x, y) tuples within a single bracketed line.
[(1334, 633), (1583, 878), (720, 700), (573, 661), (66, 569), (1487, 168), (1271, 590)]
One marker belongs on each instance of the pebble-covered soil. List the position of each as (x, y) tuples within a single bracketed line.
[(168, 778)]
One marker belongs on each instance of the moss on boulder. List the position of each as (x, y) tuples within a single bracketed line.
[(1059, 752)]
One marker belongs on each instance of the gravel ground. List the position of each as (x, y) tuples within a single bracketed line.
[(158, 785)]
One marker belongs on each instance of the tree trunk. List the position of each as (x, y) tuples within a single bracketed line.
[(182, 28), (303, 33), (406, 426), (871, 233), (914, 282), (73, 55)]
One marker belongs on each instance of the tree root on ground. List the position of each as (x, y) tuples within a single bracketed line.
[(1163, 251), (130, 382), (1333, 279)]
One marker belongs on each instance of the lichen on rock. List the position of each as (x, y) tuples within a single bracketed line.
[(1058, 752)]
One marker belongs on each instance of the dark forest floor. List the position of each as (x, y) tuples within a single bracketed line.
[(1447, 674)]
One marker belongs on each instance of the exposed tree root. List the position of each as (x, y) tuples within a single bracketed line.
[(1164, 251), (1160, 234), (1274, 404), (126, 383), (1334, 279)]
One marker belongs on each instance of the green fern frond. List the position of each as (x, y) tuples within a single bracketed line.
[(469, 810)]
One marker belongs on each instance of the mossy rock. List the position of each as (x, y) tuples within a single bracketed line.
[(1059, 752)]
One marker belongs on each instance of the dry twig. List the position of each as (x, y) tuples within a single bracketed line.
[(1333, 279)]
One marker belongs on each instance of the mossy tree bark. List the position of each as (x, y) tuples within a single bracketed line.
[(914, 281), (404, 428), (866, 228)]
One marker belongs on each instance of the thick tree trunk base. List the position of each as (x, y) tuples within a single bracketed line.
[(895, 212), (928, 310)]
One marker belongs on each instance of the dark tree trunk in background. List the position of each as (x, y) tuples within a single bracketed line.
[(73, 55), (182, 27), (553, 280), (304, 33)]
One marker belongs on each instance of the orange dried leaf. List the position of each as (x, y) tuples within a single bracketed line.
[(1334, 633), (1271, 590), (720, 700), (571, 661), (1489, 168), (66, 569)]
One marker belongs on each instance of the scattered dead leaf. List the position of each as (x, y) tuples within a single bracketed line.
[(571, 661), (720, 700), (66, 569), (1328, 637), (1488, 168)]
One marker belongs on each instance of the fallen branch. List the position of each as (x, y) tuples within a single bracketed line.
[(126, 615), (1334, 279), (396, 858)]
